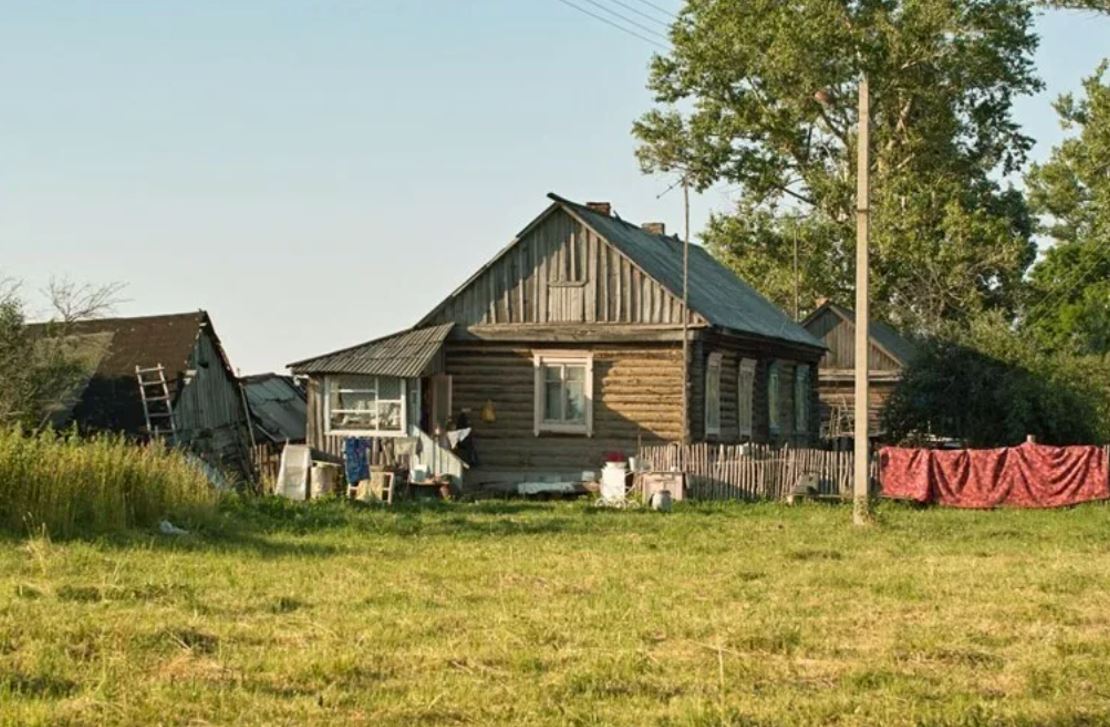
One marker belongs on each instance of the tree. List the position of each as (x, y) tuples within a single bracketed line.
[(987, 385), (761, 95), (1069, 297), (43, 365)]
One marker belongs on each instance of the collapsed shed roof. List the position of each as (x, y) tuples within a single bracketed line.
[(277, 404)]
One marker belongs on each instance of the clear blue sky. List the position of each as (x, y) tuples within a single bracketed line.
[(319, 172)]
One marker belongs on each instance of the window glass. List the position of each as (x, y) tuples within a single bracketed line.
[(713, 394), (563, 394), (745, 391), (365, 403), (773, 414)]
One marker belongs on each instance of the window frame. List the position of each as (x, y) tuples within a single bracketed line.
[(330, 381), (802, 413), (774, 398), (713, 373), (540, 361), (745, 397)]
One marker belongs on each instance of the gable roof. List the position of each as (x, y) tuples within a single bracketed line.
[(407, 354), (893, 343), (716, 293), (277, 405), (110, 398)]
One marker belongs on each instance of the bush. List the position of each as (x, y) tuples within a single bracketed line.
[(72, 485), (990, 387)]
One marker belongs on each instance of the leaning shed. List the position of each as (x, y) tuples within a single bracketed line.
[(889, 353), (567, 345), (207, 403)]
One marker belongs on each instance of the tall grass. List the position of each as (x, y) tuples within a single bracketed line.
[(72, 485)]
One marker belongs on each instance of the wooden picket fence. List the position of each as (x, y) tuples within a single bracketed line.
[(753, 471)]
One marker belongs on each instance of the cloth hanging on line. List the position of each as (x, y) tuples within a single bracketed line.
[(1030, 475), (356, 460)]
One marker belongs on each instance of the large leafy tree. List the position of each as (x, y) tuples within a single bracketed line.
[(761, 95), (1069, 296)]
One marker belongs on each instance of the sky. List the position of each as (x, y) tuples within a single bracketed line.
[(316, 173)]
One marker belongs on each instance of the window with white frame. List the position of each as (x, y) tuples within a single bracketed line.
[(801, 399), (745, 396), (365, 405), (774, 413), (564, 392), (713, 395)]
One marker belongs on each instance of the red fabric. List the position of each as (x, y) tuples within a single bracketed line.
[(1031, 475)]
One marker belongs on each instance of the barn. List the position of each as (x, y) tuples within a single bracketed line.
[(208, 408), (568, 346), (889, 353)]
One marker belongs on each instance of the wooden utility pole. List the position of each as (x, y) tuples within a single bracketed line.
[(797, 282), (686, 311), (861, 510)]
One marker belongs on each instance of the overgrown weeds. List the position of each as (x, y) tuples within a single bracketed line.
[(66, 485)]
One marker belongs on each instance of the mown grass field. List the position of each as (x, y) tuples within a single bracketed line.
[(558, 613)]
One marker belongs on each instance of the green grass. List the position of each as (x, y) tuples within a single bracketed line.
[(530, 613), (67, 485)]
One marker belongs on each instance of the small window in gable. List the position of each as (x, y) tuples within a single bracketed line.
[(713, 395), (745, 395)]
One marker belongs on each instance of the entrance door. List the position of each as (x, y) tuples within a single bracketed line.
[(439, 402)]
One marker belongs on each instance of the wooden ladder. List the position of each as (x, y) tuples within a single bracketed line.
[(157, 405)]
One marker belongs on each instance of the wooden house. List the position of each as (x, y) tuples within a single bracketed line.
[(207, 403), (889, 353), (568, 345)]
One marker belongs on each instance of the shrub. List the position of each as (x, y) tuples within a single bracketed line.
[(72, 485)]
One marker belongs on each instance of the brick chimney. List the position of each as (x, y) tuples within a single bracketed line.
[(602, 208), (654, 228)]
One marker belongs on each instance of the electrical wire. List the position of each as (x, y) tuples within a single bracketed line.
[(610, 23), (626, 19)]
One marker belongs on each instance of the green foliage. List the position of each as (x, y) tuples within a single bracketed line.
[(39, 368), (991, 387), (1069, 298), (70, 485), (762, 95)]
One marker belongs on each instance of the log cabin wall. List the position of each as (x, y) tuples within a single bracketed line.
[(561, 272), (637, 397), (764, 352)]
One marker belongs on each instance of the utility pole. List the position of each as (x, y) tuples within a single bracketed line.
[(861, 510), (797, 282), (686, 311)]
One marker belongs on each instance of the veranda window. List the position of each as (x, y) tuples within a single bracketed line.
[(365, 405), (564, 393)]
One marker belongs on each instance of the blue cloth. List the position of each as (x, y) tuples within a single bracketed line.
[(355, 459)]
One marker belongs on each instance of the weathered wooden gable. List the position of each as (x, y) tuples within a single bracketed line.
[(560, 271), (839, 336)]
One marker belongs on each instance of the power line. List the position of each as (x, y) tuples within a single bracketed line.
[(641, 13), (609, 22), (666, 12), (625, 18)]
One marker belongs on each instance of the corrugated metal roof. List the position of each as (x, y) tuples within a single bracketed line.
[(880, 332), (716, 293), (278, 406), (405, 354)]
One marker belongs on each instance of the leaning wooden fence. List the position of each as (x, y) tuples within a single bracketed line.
[(753, 471)]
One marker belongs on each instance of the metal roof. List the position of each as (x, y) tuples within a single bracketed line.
[(888, 339), (716, 293), (406, 354), (278, 406)]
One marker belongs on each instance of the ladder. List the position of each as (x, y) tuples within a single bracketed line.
[(157, 406)]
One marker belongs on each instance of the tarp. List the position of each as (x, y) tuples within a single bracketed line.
[(1030, 475)]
